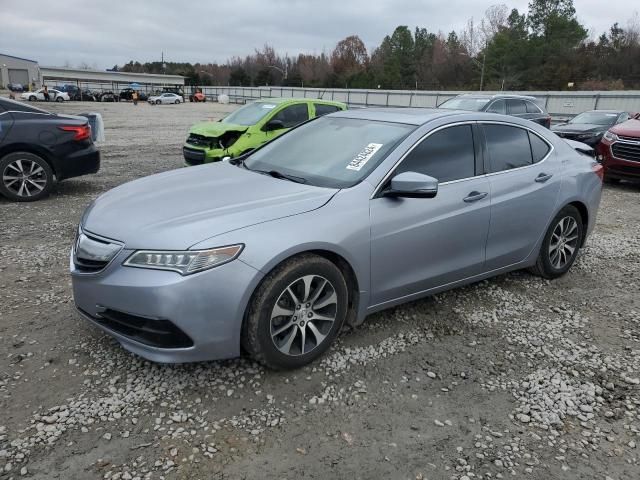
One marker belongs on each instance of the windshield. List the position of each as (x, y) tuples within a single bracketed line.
[(595, 118), (249, 114), (330, 152), (474, 104)]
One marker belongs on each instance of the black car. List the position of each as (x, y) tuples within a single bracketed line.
[(107, 96), (15, 87), (38, 147), (589, 127), (521, 106)]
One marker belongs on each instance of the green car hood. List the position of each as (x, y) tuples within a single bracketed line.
[(216, 129)]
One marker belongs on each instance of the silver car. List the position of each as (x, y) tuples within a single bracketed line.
[(344, 216), (165, 99)]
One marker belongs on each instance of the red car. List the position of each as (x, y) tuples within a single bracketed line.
[(619, 151)]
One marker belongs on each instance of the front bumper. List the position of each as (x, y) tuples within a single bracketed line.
[(207, 308), (616, 167), (198, 155)]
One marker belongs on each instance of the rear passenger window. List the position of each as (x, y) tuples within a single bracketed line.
[(446, 155), (515, 107), (539, 148), (325, 109), (498, 107), (532, 108), (508, 147)]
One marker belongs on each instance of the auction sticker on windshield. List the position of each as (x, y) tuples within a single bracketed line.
[(268, 106), (364, 156)]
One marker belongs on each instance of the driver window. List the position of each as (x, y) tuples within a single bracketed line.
[(446, 155)]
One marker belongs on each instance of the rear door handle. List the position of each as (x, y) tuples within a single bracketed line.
[(543, 177), (475, 196)]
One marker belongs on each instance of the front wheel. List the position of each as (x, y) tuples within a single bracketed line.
[(177, 102), (25, 177), (158, 102), (32, 98), (560, 244), (59, 99), (296, 312)]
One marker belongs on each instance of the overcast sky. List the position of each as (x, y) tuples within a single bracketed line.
[(212, 31)]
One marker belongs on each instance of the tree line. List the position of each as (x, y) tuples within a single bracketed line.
[(545, 48)]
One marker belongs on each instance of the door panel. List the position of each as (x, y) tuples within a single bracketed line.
[(522, 202), (419, 243)]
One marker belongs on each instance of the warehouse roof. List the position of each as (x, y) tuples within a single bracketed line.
[(17, 58)]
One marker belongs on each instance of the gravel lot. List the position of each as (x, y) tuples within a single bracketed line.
[(515, 377)]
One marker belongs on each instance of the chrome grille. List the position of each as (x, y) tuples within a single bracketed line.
[(629, 139), (91, 253), (626, 151)]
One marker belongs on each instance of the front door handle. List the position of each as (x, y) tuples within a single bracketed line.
[(543, 177), (475, 196)]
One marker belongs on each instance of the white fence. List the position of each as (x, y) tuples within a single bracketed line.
[(558, 104)]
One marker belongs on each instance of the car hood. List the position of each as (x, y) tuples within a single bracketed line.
[(579, 128), (216, 129), (177, 209), (630, 128)]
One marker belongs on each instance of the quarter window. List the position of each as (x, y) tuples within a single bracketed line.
[(293, 115), (516, 107), (508, 147), (539, 148), (446, 155), (325, 109)]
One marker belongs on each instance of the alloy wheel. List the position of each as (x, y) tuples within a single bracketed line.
[(303, 315), (25, 178), (564, 242)]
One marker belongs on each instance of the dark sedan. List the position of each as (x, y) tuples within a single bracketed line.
[(521, 106), (38, 147), (588, 127)]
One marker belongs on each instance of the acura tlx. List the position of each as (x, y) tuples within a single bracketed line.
[(351, 213)]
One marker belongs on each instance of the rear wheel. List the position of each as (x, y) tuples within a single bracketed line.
[(560, 244), (296, 312), (25, 177)]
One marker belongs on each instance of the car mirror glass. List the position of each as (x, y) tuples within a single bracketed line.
[(412, 185)]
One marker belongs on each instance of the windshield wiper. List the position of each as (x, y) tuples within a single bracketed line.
[(282, 176)]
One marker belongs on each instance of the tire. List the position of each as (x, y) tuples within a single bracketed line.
[(32, 98), (158, 102), (177, 102), (40, 177), (59, 99), (565, 233), (277, 340)]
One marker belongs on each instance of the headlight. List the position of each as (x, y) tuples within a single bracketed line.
[(184, 262), (610, 136)]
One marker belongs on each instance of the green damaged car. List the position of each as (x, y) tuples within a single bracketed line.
[(251, 126)]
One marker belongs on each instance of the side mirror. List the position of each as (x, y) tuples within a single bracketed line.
[(412, 185), (226, 159), (274, 125)]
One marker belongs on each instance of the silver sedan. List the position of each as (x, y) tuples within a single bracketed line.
[(165, 99), (346, 215)]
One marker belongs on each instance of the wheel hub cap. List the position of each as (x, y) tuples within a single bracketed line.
[(24, 178), (303, 315), (564, 242)]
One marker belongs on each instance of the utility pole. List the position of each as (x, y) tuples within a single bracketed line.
[(484, 61)]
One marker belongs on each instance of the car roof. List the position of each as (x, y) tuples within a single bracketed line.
[(496, 95), (281, 100), (422, 116), (13, 106), (604, 111), (411, 116)]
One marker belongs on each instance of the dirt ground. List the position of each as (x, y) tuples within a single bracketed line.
[(515, 377)]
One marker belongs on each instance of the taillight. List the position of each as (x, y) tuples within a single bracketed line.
[(81, 132), (598, 170), (547, 122)]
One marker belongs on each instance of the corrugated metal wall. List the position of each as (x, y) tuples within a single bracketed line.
[(558, 104)]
